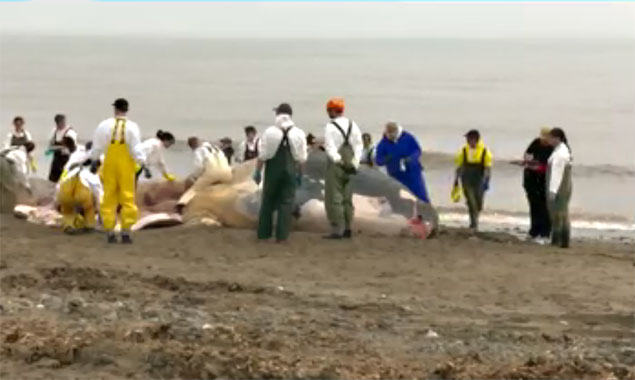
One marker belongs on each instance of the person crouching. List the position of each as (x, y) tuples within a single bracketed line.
[(78, 194)]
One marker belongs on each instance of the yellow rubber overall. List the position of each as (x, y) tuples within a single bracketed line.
[(72, 196), (119, 181)]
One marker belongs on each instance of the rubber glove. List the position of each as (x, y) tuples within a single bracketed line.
[(49, 152), (456, 193), (403, 164), (33, 166), (169, 177), (146, 172), (257, 177), (486, 184), (94, 166)]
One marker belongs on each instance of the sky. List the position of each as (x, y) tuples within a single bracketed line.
[(320, 20)]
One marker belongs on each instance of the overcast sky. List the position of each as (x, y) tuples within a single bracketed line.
[(320, 20)]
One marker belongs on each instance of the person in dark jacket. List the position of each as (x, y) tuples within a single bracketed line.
[(400, 152), (536, 161)]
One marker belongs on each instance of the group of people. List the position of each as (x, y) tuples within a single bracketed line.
[(100, 177)]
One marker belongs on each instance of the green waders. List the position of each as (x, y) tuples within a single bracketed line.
[(278, 194), (472, 179), (559, 211), (338, 192)]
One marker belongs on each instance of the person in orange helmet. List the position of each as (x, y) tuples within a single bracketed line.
[(343, 146)]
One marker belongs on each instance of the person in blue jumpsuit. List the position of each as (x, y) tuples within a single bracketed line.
[(400, 152)]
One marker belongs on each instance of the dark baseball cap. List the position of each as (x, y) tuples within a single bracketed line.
[(473, 133), (283, 108), (121, 104)]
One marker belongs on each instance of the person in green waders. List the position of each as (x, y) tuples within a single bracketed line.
[(473, 168), (343, 145), (282, 152)]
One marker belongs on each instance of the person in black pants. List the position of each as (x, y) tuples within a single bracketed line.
[(535, 183)]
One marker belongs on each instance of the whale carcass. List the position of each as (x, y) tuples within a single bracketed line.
[(227, 196)]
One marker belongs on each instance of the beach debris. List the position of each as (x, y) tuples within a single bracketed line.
[(39, 306), (207, 326), (74, 304), (431, 334), (565, 323), (280, 288)]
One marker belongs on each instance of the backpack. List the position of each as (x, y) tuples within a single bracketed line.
[(346, 150)]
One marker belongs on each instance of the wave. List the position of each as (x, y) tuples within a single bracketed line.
[(520, 223), (433, 160)]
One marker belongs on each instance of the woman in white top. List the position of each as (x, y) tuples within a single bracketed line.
[(559, 188), (18, 135), (153, 150)]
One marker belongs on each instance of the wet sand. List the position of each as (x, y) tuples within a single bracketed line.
[(194, 302)]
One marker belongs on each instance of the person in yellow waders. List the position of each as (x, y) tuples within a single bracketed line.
[(79, 188), (119, 139)]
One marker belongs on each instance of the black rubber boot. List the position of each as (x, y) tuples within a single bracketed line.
[(112, 239), (125, 238)]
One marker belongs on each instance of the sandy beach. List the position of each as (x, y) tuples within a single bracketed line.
[(195, 302)]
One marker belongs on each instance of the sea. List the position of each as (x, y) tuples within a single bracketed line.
[(435, 88)]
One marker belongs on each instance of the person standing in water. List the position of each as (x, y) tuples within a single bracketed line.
[(248, 148), (400, 152), (535, 161), (343, 146), (18, 135), (56, 146), (473, 168), (559, 188), (153, 150), (119, 138), (283, 151)]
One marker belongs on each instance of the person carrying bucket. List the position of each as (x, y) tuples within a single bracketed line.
[(473, 169)]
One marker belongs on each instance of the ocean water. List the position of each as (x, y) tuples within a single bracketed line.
[(437, 89)]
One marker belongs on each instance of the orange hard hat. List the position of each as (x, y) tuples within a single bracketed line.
[(336, 104)]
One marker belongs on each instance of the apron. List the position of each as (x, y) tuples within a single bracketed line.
[(250, 154), (60, 158), (18, 140)]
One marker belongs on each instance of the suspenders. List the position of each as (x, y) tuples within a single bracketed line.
[(120, 125), (482, 163), (347, 134), (285, 137)]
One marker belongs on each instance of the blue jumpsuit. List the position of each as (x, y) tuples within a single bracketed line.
[(391, 153)]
